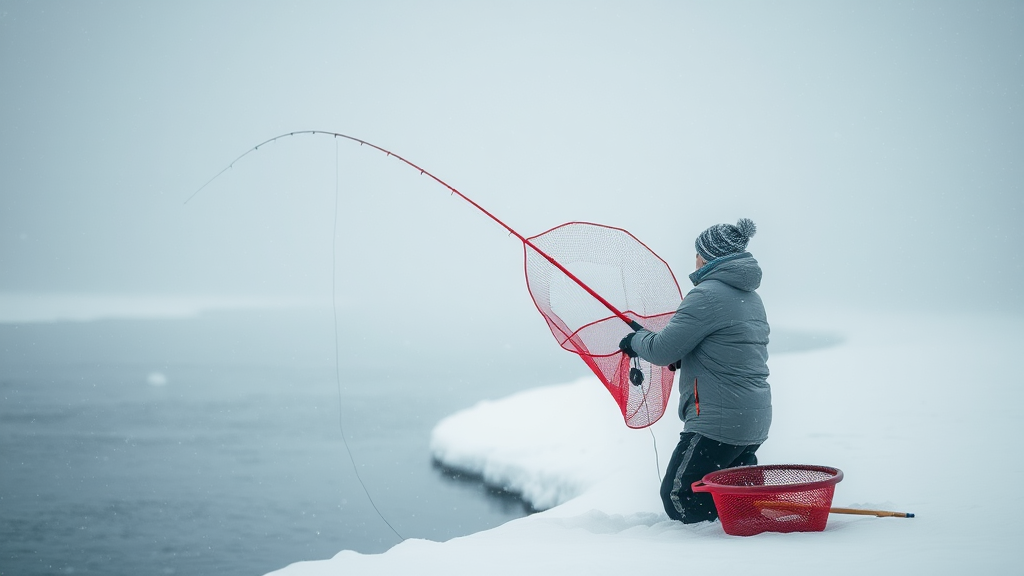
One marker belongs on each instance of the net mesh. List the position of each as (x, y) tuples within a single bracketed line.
[(628, 275), (776, 498)]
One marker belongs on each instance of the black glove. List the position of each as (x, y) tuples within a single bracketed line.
[(675, 365), (626, 345)]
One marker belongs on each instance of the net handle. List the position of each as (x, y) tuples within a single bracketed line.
[(803, 508), (878, 513)]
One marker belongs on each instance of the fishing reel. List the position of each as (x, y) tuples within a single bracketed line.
[(636, 375)]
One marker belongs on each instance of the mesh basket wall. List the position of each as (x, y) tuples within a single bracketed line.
[(774, 498), (628, 275)]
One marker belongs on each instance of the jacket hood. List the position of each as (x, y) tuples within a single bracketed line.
[(740, 271)]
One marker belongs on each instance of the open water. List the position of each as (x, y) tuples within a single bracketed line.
[(212, 445)]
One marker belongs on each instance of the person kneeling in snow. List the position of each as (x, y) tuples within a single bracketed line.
[(718, 342)]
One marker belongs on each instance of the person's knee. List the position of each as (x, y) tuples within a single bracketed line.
[(666, 490), (699, 508), (688, 507), (667, 499), (670, 509)]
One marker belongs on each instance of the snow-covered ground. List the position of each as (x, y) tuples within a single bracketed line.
[(922, 413)]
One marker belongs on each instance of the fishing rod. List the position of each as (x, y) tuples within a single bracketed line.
[(658, 293), (611, 374), (526, 241)]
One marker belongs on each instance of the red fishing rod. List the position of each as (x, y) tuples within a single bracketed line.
[(526, 241), (644, 288), (640, 391)]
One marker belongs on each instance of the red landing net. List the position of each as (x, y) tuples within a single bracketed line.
[(628, 275)]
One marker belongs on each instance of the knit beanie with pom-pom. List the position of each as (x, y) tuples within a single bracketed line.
[(725, 239)]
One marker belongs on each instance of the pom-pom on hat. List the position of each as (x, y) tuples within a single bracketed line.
[(725, 239)]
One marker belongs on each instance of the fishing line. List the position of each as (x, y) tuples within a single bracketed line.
[(337, 360), (657, 459)]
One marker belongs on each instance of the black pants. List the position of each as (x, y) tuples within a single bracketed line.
[(694, 457)]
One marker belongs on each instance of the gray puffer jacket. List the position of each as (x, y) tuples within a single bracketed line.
[(720, 333)]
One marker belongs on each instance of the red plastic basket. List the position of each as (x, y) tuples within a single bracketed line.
[(774, 498)]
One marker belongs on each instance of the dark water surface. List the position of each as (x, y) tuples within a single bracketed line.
[(212, 445)]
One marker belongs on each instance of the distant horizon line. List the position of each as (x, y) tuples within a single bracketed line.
[(32, 307)]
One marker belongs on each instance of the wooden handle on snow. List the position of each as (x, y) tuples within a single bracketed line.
[(879, 513), (799, 507)]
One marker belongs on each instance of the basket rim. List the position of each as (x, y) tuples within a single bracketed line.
[(708, 480)]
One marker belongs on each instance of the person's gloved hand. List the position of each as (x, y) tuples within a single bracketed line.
[(626, 345), (675, 365)]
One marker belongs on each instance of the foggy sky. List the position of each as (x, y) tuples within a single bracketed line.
[(877, 145)]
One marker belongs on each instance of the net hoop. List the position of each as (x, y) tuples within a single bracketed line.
[(633, 279)]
